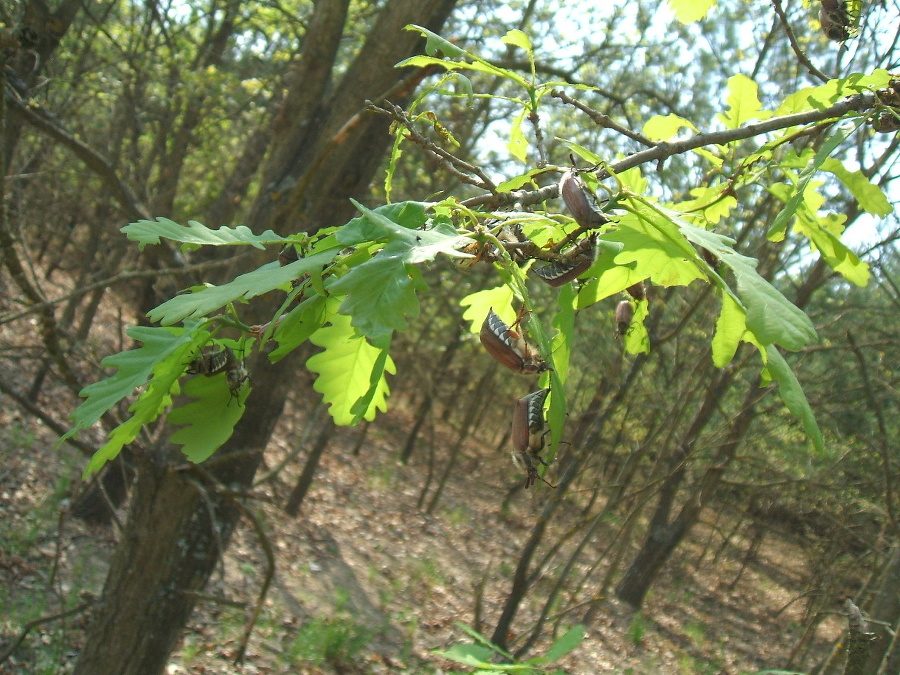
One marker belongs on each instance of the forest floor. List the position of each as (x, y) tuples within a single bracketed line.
[(367, 582)]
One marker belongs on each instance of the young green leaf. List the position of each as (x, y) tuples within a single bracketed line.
[(381, 293), (731, 327), (689, 11), (666, 127), (743, 103), (196, 234), (565, 643), (636, 338), (499, 299), (345, 369), (779, 225), (654, 248), (792, 394), (209, 419), (262, 280), (135, 367), (298, 325), (770, 316)]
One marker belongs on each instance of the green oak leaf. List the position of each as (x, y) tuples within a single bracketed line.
[(743, 103), (689, 11), (209, 419), (779, 225), (381, 293), (150, 404), (171, 347), (654, 248), (298, 325), (731, 327), (636, 338), (769, 315), (196, 234), (262, 280), (666, 127), (479, 303), (345, 370)]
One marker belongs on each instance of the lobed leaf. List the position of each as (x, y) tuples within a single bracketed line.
[(262, 280), (666, 127), (731, 327), (210, 419), (381, 293), (346, 368), (134, 368), (743, 103), (779, 225), (196, 234), (298, 325), (769, 315)]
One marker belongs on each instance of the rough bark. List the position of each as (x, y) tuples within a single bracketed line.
[(180, 523)]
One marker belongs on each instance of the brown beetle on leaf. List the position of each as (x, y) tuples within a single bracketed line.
[(624, 315), (211, 361), (509, 347), (572, 263)]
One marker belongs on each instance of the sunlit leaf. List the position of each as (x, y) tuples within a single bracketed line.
[(246, 286), (743, 103), (479, 303), (730, 328), (689, 11), (345, 369), (666, 127), (779, 225)]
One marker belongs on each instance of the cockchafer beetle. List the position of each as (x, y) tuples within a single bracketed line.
[(624, 315), (236, 374), (575, 196), (573, 262), (528, 435), (211, 360), (835, 18), (509, 347)]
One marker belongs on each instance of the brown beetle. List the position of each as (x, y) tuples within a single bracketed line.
[(509, 347), (575, 196), (835, 20), (624, 315), (573, 262), (528, 435)]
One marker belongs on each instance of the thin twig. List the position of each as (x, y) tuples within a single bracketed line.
[(461, 169), (800, 54), (118, 278), (600, 119), (662, 151)]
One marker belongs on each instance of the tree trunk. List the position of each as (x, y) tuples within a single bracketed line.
[(181, 522)]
